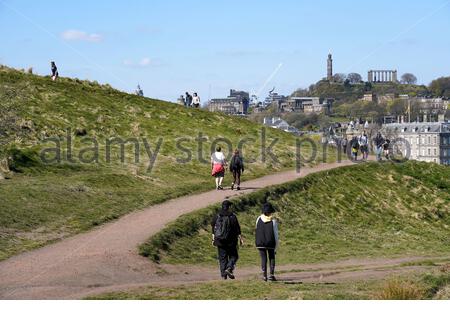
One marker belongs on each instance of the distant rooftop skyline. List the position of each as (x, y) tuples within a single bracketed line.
[(170, 47)]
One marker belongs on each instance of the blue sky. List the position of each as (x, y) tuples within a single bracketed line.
[(170, 47)]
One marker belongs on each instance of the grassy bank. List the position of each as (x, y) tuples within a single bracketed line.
[(431, 285), (44, 202), (369, 210)]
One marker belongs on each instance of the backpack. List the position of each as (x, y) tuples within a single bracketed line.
[(237, 162), (222, 228)]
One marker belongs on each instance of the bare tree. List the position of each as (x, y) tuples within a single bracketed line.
[(339, 77), (409, 78), (354, 77)]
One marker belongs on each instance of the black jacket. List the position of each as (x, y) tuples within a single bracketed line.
[(237, 163), (266, 234), (235, 231), (379, 141)]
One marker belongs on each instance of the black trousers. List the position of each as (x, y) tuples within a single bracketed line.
[(237, 177), (271, 253), (228, 256)]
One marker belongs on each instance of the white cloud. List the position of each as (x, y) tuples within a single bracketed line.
[(142, 63), (145, 62), (77, 35)]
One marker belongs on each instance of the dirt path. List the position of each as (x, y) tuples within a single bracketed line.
[(106, 257)]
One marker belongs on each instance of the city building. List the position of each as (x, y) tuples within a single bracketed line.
[(306, 105), (369, 97), (278, 123), (274, 99), (426, 141), (236, 103), (433, 103)]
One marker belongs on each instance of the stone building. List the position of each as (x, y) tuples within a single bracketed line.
[(427, 141), (382, 76), (307, 105), (236, 103)]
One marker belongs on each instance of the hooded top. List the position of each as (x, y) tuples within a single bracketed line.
[(266, 232)]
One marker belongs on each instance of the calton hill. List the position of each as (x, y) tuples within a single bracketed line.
[(383, 99), (80, 217)]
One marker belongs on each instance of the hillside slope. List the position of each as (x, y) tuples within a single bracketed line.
[(369, 210), (43, 202)]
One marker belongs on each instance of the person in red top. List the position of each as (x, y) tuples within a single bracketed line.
[(218, 164)]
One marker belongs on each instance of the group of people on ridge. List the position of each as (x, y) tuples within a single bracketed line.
[(191, 101), (226, 235)]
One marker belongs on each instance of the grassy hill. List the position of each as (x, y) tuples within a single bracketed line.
[(45, 201), (368, 210)]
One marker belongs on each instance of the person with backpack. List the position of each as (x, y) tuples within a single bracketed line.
[(237, 168), (266, 240), (226, 233), (55, 74), (218, 163), (355, 148)]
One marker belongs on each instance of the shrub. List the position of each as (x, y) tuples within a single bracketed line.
[(396, 289)]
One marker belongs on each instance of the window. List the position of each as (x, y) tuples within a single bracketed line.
[(429, 151), (418, 140), (435, 152), (435, 140), (429, 140)]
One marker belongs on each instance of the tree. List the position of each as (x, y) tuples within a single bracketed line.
[(440, 87), (354, 78), (339, 77), (397, 107), (409, 78)]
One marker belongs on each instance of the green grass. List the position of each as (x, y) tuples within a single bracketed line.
[(248, 290), (430, 285), (42, 203), (369, 210)]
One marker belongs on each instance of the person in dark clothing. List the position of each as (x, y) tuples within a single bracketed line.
[(55, 74), (355, 148), (379, 142), (387, 148), (226, 233), (237, 168), (266, 240), (188, 101)]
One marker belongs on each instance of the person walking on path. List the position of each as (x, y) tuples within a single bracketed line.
[(196, 101), (387, 148), (226, 233), (344, 145), (379, 142), (267, 240), (237, 168), (55, 73), (354, 144), (364, 145), (218, 163), (188, 100)]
